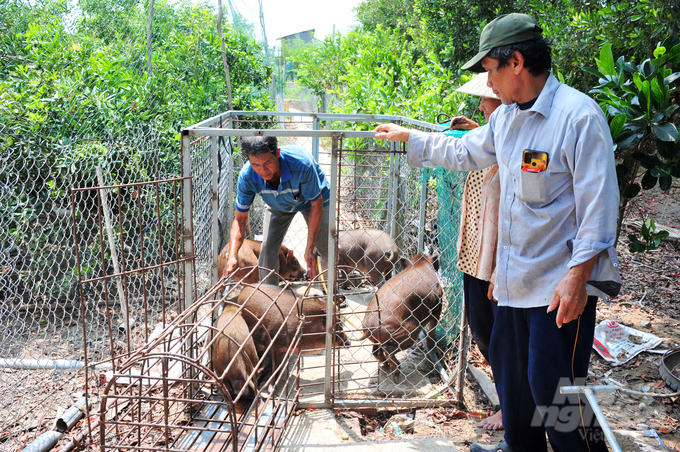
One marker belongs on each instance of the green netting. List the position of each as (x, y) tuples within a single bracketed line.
[(450, 185)]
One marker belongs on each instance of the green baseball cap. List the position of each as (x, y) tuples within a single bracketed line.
[(504, 30)]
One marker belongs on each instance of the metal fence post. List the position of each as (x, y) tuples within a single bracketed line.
[(461, 366), (188, 245), (392, 192), (330, 274), (315, 140), (423, 203), (230, 181), (214, 206)]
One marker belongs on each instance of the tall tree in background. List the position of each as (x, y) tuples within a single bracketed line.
[(395, 15)]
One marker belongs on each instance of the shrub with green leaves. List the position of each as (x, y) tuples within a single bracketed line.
[(640, 101), (79, 69), (381, 73), (649, 238)]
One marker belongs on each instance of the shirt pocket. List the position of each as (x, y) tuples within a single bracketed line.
[(534, 187)]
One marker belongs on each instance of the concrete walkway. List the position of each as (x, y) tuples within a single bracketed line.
[(319, 431)]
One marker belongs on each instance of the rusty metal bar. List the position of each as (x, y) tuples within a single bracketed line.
[(138, 270)]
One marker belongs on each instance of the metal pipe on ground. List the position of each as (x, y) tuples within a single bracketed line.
[(44, 442), (48, 440), (589, 392), (40, 364), (72, 415)]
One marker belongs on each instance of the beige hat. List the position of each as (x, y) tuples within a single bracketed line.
[(477, 87)]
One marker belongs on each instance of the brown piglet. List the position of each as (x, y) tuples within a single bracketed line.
[(232, 333), (401, 308)]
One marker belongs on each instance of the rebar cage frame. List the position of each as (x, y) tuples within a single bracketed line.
[(150, 382)]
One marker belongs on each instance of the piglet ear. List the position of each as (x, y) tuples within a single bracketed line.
[(435, 262), (290, 254)]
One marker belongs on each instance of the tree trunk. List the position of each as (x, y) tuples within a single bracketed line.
[(634, 165), (224, 54), (149, 36)]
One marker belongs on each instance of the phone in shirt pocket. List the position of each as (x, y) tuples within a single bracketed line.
[(534, 161), (535, 178)]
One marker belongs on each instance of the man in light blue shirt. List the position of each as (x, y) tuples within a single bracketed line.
[(557, 226), (289, 181)]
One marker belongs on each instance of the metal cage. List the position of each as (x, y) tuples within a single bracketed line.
[(150, 379), (371, 187)]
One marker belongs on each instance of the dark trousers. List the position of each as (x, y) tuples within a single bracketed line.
[(480, 311), (275, 226), (531, 358)]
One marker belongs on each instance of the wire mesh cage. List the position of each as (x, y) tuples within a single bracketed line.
[(71, 321), (398, 213), (402, 312)]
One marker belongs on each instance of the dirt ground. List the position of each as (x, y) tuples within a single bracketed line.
[(649, 301)]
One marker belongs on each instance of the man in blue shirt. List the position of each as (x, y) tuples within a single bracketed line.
[(556, 232), (289, 181)]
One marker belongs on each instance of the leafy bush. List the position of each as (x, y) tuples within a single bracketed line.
[(641, 103), (649, 238), (83, 75), (379, 73)]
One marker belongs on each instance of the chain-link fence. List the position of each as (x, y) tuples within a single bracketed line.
[(87, 85), (372, 189), (44, 328)]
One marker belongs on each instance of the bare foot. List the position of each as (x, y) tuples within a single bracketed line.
[(494, 422)]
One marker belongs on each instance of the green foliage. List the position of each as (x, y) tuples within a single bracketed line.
[(448, 29), (639, 100), (579, 28), (379, 73), (649, 238), (88, 76), (451, 28), (321, 64), (394, 15)]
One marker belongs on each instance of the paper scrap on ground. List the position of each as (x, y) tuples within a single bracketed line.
[(618, 343)]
